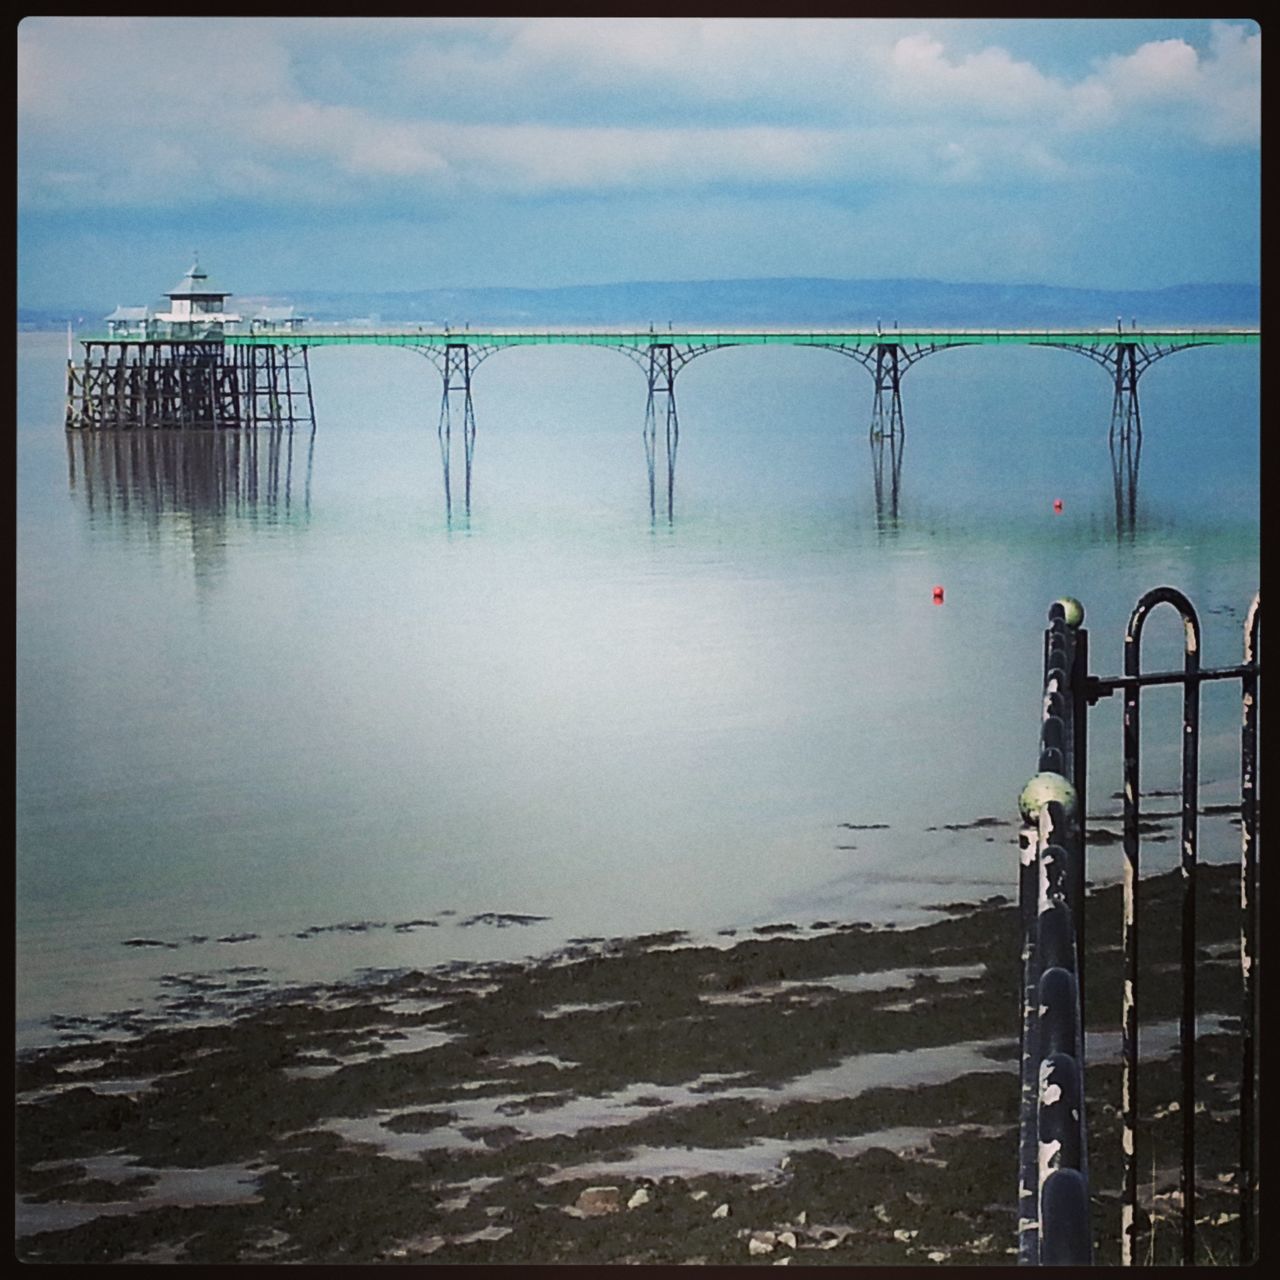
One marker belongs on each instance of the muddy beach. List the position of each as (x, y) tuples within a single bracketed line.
[(808, 1092)]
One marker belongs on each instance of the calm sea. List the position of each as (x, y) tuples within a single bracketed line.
[(273, 696)]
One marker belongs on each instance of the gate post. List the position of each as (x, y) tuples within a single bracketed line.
[(1250, 959), (1053, 1190)]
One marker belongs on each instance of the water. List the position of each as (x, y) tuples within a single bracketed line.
[(277, 696)]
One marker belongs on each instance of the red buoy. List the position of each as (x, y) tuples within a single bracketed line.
[(937, 595), (1057, 506)]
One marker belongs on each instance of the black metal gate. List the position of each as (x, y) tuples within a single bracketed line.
[(1053, 1191)]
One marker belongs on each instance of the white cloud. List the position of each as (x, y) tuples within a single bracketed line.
[(114, 111), (1216, 97), (922, 78), (1161, 69)]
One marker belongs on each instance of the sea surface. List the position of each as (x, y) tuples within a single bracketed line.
[(278, 717)]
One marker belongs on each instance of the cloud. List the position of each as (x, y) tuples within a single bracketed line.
[(114, 111), (921, 78), (1215, 97)]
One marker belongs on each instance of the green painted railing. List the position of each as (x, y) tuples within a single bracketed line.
[(406, 337), (639, 339)]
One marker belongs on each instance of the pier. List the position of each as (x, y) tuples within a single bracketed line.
[(194, 367)]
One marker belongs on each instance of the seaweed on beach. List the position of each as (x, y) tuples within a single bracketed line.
[(649, 1100)]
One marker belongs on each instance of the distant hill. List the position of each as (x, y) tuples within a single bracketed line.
[(798, 301), (801, 302)]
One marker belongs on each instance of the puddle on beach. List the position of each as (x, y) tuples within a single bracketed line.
[(508, 1118), (478, 1124), (763, 1158), (215, 1185), (389, 1041), (599, 1006), (874, 980), (123, 1086)]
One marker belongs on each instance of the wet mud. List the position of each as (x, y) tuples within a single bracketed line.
[(818, 1092)]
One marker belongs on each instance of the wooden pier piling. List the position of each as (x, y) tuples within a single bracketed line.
[(169, 383)]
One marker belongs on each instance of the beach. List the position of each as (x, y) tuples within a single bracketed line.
[(805, 1092)]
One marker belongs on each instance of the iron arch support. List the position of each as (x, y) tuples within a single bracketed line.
[(887, 362), (660, 362), (455, 362), (1126, 362)]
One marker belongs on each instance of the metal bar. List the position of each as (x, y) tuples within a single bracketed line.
[(1053, 1208), (1132, 804), (650, 434), (1129, 946), (468, 435), (1028, 1176), (1100, 687), (444, 432), (1080, 778), (1250, 958), (661, 372), (311, 404), (1061, 1142), (288, 382), (1187, 1024)]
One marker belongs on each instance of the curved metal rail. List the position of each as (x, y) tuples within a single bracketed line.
[(1053, 1189)]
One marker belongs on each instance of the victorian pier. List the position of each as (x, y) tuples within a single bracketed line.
[(199, 366)]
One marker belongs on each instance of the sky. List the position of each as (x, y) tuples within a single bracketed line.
[(399, 154)]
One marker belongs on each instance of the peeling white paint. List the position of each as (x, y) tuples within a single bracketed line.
[(1048, 1159), (1049, 1094), (1126, 1141), (1249, 621)]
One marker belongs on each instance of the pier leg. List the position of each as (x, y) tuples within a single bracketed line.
[(311, 404), (886, 493), (1125, 437), (443, 431), (662, 375), (887, 429), (457, 379)]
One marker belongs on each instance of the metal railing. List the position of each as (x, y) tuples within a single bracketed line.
[(1053, 1184), (1053, 1191)]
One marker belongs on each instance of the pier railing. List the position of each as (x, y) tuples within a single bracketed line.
[(1053, 1185)]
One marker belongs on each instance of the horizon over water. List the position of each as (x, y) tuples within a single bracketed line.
[(277, 694)]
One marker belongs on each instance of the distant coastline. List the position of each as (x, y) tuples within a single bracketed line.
[(793, 300)]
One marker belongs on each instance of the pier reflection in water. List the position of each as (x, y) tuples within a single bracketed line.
[(886, 471), (141, 476), (1124, 444), (1125, 453)]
